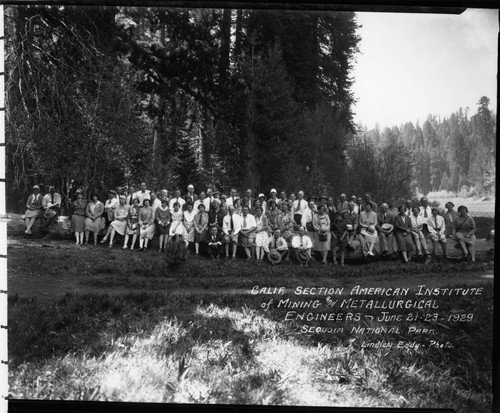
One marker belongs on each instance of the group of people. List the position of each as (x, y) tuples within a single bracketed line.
[(272, 227)]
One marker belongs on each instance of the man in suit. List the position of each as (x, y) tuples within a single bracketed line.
[(51, 205), (190, 196), (342, 204), (351, 218), (231, 227), (251, 200), (215, 242), (385, 235), (368, 200)]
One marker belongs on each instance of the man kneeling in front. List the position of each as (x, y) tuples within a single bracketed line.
[(302, 245)]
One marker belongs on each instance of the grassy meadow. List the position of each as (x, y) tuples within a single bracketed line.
[(89, 323)]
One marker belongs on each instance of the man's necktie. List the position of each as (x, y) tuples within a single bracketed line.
[(232, 223), (425, 213)]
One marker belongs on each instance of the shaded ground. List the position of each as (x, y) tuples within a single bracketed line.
[(51, 268)]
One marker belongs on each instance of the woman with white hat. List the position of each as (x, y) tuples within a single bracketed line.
[(34, 206), (263, 203), (322, 234)]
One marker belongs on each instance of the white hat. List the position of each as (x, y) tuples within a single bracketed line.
[(190, 186), (273, 190), (262, 196), (387, 227), (36, 187)]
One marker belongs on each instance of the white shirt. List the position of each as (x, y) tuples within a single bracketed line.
[(417, 222), (301, 242), (112, 203), (226, 223), (141, 196), (431, 224), (180, 200), (230, 200), (307, 216), (422, 211), (47, 200), (156, 203), (299, 206), (248, 222), (197, 203)]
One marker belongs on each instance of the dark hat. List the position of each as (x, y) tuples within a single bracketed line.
[(274, 256), (112, 191)]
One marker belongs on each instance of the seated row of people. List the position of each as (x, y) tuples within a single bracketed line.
[(139, 215)]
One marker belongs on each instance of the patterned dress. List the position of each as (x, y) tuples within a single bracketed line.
[(286, 225), (189, 224), (78, 217), (273, 218), (133, 221)]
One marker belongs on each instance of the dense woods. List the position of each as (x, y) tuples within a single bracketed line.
[(109, 96), (455, 153)]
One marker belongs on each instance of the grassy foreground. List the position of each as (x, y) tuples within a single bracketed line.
[(196, 335)]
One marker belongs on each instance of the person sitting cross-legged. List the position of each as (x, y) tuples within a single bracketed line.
[(215, 242), (302, 245), (278, 248), (437, 228)]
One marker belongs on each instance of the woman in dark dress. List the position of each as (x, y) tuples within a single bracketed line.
[(402, 230), (162, 218), (200, 227), (464, 229), (78, 207)]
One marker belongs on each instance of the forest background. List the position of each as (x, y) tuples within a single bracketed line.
[(108, 96)]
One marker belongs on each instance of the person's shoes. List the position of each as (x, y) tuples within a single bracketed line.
[(141, 249), (124, 247), (104, 240)]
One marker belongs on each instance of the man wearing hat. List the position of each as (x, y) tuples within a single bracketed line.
[(278, 248), (51, 205), (302, 245), (34, 207), (385, 229), (110, 206)]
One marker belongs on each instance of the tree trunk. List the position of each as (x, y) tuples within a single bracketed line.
[(224, 49)]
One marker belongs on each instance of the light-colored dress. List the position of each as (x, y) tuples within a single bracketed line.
[(120, 219), (321, 223), (262, 235), (176, 227), (365, 220), (146, 217), (463, 227), (189, 225), (94, 221)]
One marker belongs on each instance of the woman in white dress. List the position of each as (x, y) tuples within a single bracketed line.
[(94, 221), (176, 227), (188, 222), (261, 235), (146, 225), (368, 233), (119, 224), (132, 227)]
